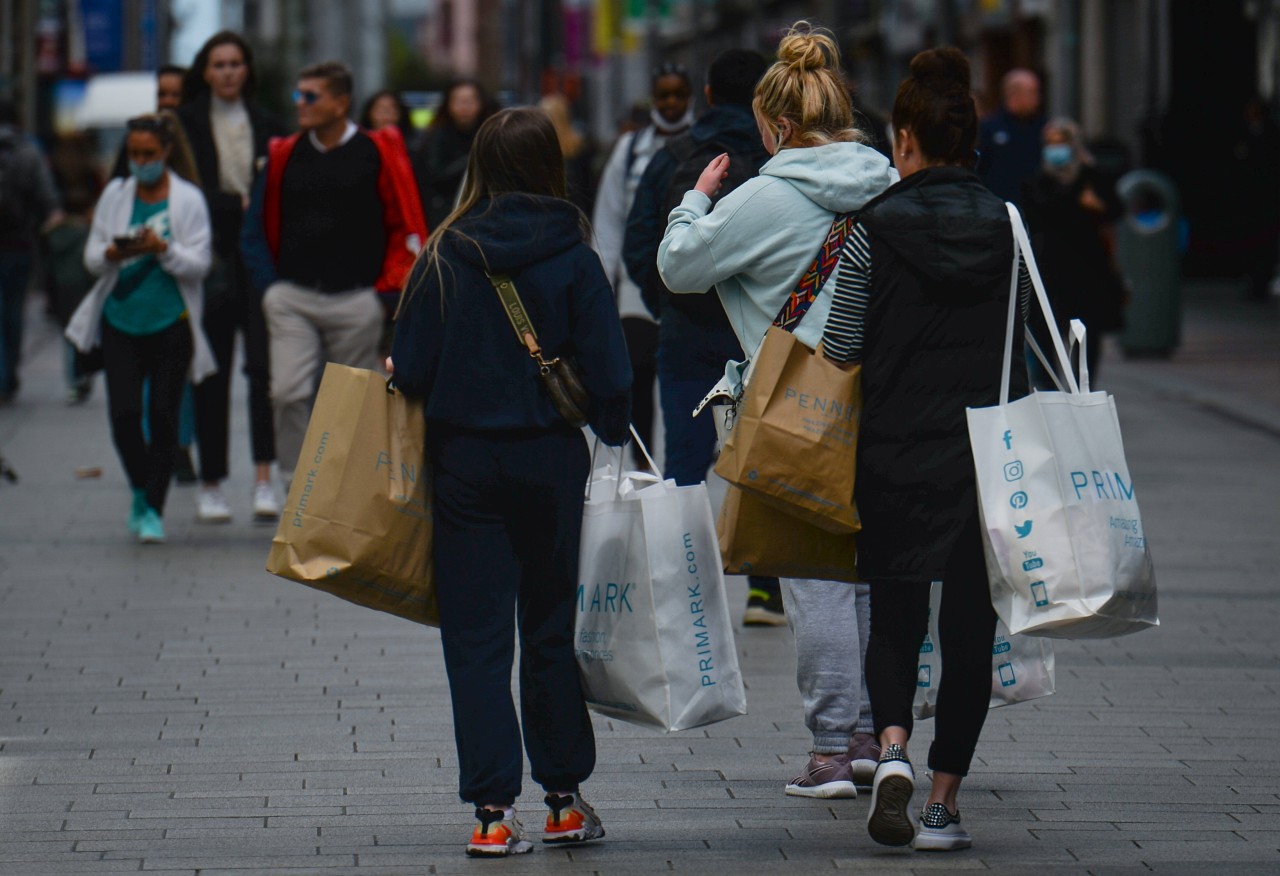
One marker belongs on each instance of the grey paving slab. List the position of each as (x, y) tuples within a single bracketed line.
[(177, 710)]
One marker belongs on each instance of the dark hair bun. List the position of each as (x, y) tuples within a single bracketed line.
[(942, 67)]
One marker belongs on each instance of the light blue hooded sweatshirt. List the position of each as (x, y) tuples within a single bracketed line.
[(762, 236)]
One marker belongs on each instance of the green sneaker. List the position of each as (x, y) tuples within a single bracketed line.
[(150, 528), (137, 510)]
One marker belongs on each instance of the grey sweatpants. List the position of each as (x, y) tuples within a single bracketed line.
[(832, 623), (308, 328)]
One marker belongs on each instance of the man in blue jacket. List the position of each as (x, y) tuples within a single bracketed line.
[(694, 336), (1009, 146)]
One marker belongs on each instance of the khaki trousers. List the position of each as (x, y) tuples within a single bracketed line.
[(308, 328)]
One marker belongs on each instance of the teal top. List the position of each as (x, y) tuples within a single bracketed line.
[(145, 298)]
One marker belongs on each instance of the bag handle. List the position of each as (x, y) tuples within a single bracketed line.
[(656, 477), (1078, 339), (815, 276), (1021, 243)]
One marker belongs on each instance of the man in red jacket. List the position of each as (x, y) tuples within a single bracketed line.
[(333, 228)]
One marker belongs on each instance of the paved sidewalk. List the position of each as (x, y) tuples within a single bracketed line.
[(174, 709)]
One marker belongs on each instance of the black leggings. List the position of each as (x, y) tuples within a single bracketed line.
[(642, 344), (128, 361), (234, 308), (966, 628)]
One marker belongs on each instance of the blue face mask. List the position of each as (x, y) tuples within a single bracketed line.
[(148, 174), (1058, 155)]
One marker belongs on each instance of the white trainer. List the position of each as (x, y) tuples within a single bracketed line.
[(890, 821), (211, 506), (940, 831), (265, 504)]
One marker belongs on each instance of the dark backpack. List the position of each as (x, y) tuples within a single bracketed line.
[(691, 159)]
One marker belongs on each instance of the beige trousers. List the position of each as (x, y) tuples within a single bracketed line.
[(308, 328)]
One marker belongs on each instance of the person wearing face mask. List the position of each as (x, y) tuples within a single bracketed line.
[(671, 113), (229, 135), (151, 246), (1068, 221)]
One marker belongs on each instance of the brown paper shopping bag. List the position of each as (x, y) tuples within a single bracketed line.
[(795, 438), (758, 539), (357, 522)]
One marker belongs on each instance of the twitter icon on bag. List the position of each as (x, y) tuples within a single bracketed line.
[(1023, 529)]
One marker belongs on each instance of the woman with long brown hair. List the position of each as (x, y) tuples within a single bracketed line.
[(150, 247), (508, 471)]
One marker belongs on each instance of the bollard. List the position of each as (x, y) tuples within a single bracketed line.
[(1147, 251)]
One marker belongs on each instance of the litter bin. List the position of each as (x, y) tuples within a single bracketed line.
[(1147, 249)]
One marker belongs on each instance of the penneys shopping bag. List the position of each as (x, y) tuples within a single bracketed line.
[(1065, 546), (795, 435), (653, 636), (758, 539), (357, 522), (1022, 667), (794, 428)]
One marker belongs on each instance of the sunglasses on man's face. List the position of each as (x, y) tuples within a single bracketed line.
[(307, 97)]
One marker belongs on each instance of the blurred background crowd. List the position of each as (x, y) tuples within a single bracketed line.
[(1188, 88)]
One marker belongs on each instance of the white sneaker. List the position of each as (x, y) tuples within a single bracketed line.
[(211, 506), (889, 822), (265, 504), (940, 831), (497, 835)]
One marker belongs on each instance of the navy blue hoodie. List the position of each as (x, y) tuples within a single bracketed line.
[(454, 346)]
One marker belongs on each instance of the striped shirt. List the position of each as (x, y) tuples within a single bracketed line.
[(842, 340)]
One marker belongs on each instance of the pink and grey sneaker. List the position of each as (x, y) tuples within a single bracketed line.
[(826, 780), (864, 756)]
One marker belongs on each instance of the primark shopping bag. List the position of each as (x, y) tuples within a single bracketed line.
[(1022, 667), (653, 637), (1065, 545), (357, 522)]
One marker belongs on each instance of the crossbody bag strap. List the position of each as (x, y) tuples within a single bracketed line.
[(812, 280), (514, 308)]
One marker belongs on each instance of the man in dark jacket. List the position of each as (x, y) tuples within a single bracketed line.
[(694, 336), (1009, 141)]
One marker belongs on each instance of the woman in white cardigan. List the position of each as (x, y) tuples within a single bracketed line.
[(150, 245)]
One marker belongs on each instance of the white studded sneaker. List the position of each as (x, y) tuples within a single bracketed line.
[(889, 822), (940, 831), (265, 504), (211, 506)]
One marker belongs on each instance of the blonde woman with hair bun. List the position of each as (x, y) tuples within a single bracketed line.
[(751, 250)]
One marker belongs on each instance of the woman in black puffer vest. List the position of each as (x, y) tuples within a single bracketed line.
[(928, 325)]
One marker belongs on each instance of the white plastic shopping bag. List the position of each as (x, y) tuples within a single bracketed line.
[(1022, 667), (654, 638), (1066, 550)]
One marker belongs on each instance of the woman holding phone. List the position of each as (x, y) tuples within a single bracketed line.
[(150, 247)]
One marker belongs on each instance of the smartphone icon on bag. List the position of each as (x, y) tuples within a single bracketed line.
[(924, 676), (1039, 594), (1007, 676)]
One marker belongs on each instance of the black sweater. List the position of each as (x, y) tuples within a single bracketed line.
[(332, 236)]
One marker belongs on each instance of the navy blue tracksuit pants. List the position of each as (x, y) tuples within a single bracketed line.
[(508, 521)]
